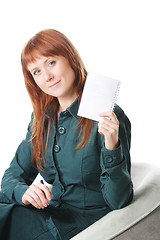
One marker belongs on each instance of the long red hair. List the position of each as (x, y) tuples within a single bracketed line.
[(51, 43)]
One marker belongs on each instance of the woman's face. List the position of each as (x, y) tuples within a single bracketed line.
[(54, 76)]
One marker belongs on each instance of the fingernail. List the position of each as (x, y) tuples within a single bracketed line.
[(47, 204), (101, 133)]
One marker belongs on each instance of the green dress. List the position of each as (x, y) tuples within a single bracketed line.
[(87, 183)]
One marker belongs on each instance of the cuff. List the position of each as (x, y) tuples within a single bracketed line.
[(19, 191), (111, 158)]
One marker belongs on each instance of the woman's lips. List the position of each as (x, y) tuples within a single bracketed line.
[(55, 84)]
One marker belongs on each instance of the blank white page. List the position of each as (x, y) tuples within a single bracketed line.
[(99, 95)]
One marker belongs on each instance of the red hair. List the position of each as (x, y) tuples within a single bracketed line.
[(51, 43)]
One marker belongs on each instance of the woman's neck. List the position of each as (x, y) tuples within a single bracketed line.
[(65, 103)]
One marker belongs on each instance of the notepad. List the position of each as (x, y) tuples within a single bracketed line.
[(99, 95)]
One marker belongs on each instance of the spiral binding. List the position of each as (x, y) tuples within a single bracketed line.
[(115, 96)]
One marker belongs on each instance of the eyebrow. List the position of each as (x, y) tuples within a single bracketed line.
[(35, 68)]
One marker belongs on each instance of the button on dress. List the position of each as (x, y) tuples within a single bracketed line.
[(86, 184)]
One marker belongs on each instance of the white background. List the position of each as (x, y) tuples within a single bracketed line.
[(118, 38)]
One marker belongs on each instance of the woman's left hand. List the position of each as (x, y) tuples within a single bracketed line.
[(109, 128)]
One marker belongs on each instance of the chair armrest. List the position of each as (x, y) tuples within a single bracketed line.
[(146, 181)]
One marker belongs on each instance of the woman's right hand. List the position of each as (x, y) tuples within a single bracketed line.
[(38, 195)]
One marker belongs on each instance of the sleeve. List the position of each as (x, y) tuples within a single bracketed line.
[(116, 183), (21, 172)]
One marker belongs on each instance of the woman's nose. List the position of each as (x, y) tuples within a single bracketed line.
[(48, 75)]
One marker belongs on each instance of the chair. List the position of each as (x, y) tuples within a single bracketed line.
[(137, 221)]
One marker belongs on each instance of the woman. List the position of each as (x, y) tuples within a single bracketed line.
[(87, 163)]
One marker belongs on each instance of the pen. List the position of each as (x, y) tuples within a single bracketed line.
[(41, 181)]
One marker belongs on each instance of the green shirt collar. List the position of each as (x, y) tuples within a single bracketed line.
[(73, 108)]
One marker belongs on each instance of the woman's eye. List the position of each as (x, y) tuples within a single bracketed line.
[(52, 63), (36, 72)]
